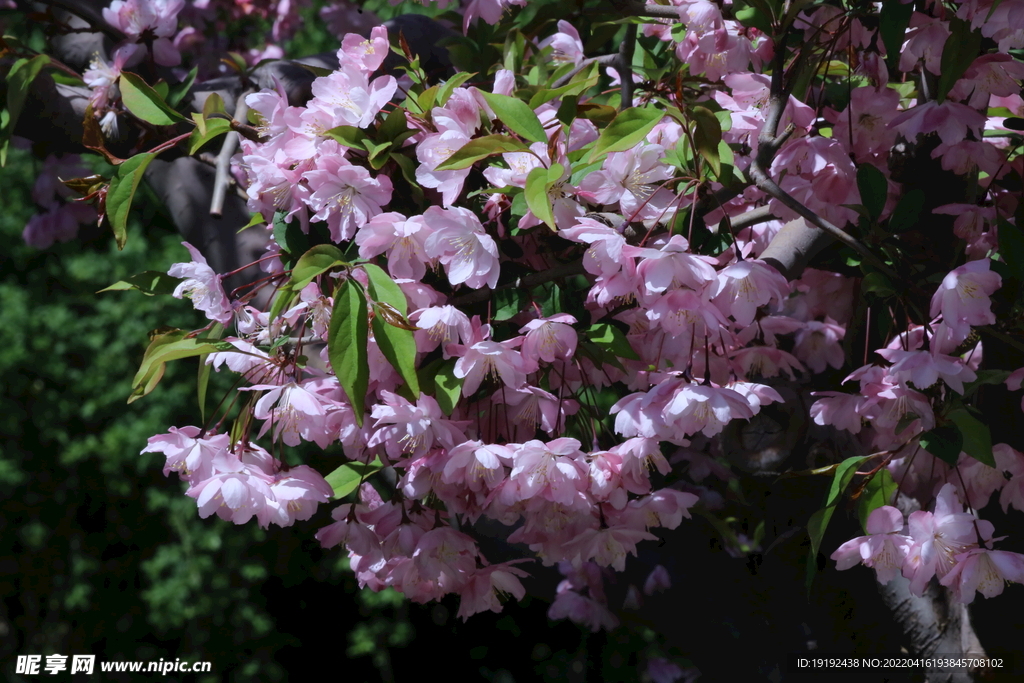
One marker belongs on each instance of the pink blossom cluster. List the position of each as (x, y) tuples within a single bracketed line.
[(686, 342), (948, 544), (239, 481)]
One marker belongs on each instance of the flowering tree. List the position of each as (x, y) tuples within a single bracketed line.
[(567, 273)]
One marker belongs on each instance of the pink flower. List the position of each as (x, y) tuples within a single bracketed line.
[(343, 194), (548, 339), (924, 368), (148, 22), (488, 10), (604, 257), (236, 495), (413, 429), (444, 552), (706, 409), (984, 571), (484, 588), (348, 98), (817, 344), (963, 297), (296, 494), (294, 412), (657, 581), (202, 286), (553, 470), (444, 325), (582, 610), (951, 120), (476, 465), (532, 407), (633, 180), (609, 546), (938, 538), (566, 46), (456, 123), (490, 359), (365, 54), (403, 240), (865, 119), (925, 40), (460, 243), (838, 409), (671, 266), (188, 454), (742, 287), (59, 223), (884, 548)]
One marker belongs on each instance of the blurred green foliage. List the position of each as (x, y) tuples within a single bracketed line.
[(99, 552)]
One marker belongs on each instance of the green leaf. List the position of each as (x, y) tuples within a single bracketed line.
[(628, 128), (818, 522), (206, 130), (346, 344), (986, 377), (610, 338), (538, 184), (874, 189), (707, 133), (596, 113), (905, 215), (944, 442), (19, 78), (976, 434), (481, 148), (878, 284), (256, 219), (165, 348), (1011, 248), (893, 22), (397, 344), (508, 302), (203, 380), (149, 283), (961, 49), (450, 85), (517, 116), (428, 98), (448, 388), (580, 83), (178, 92), (350, 136), (318, 71), (214, 104), (878, 491), (314, 263), (394, 126), (146, 103), (346, 479), (122, 190), (377, 154)]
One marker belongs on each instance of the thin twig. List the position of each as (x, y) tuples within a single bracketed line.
[(768, 143), (604, 60), (625, 67), (227, 150)]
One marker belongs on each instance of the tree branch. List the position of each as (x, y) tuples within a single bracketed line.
[(637, 8), (769, 142), (227, 150), (604, 60), (625, 67)]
